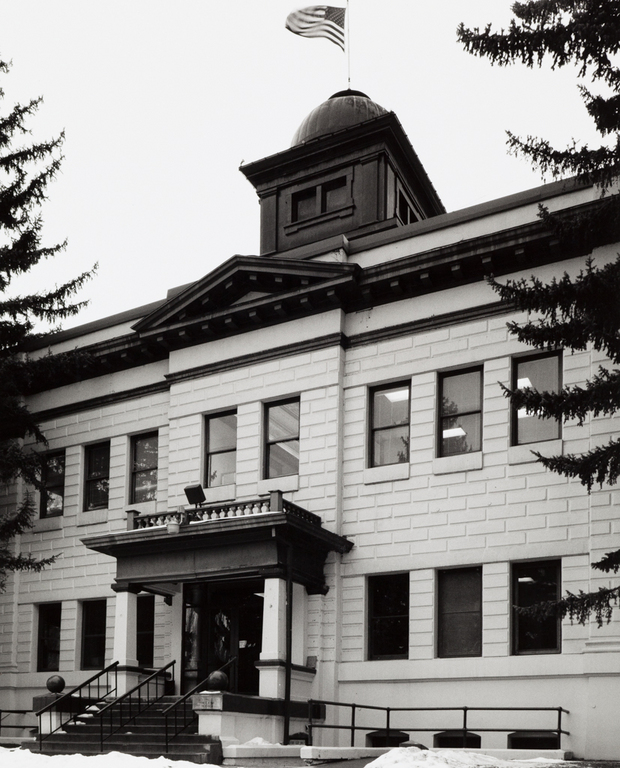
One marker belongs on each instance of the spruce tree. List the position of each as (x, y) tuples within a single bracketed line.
[(582, 312), (26, 169)]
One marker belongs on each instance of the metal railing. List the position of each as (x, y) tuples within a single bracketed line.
[(75, 702), (178, 710), (126, 708), (7, 713), (465, 729)]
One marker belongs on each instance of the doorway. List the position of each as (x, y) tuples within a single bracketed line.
[(222, 623)]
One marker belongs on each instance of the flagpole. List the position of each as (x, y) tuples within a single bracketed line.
[(348, 48)]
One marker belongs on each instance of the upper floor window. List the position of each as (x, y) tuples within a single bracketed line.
[(144, 449), (48, 637), (221, 449), (540, 372), (389, 419), (535, 582), (53, 479), (460, 412), (97, 477), (459, 614), (313, 201), (388, 616), (282, 438)]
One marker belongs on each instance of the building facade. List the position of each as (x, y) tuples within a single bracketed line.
[(305, 462)]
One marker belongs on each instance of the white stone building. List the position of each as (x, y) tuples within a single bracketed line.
[(353, 367)]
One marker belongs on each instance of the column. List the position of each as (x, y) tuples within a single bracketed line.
[(273, 648), (125, 628)]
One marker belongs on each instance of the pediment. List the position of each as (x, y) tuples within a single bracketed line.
[(247, 291)]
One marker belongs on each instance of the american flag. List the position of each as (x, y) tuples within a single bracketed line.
[(318, 21)]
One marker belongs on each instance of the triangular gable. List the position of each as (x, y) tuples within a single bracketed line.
[(249, 290)]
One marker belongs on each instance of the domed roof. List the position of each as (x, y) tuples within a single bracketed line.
[(342, 110)]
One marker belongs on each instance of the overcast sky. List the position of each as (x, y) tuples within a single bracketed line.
[(162, 100)]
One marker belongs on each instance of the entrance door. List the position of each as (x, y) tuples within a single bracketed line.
[(223, 622)]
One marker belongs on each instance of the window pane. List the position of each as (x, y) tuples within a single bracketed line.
[(388, 616), (145, 452), (55, 468), (145, 486), (221, 469), (461, 393), (391, 446), (93, 634), (542, 374), (534, 583), (283, 459), (222, 433), (304, 204), (48, 641), (390, 407), (283, 421), (459, 612), (461, 434), (97, 494), (335, 194), (98, 460)]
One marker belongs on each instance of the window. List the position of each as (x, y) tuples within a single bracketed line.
[(96, 486), (541, 372), (331, 195), (221, 449), (459, 599), (144, 468), (145, 634), (460, 414), (389, 439), (534, 583), (48, 638), (282, 444), (93, 634), (388, 616), (53, 479)]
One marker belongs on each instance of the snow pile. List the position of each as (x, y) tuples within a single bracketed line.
[(401, 757), (412, 757), (23, 758)]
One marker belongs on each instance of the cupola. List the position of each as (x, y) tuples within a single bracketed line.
[(350, 170)]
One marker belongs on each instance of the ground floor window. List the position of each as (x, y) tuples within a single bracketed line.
[(145, 635), (459, 614), (388, 616), (48, 638), (455, 739), (93, 634), (532, 583)]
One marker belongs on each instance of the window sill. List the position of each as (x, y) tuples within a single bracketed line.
[(285, 483), (386, 473), (338, 213), (220, 493), (522, 454), (462, 462), (48, 524), (92, 516)]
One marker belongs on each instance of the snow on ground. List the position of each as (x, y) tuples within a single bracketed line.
[(402, 757)]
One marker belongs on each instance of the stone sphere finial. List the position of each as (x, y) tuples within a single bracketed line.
[(217, 681), (55, 684)]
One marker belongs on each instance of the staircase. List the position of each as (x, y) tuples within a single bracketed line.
[(144, 736)]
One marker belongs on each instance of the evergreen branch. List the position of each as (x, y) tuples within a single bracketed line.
[(579, 607), (600, 395), (611, 562), (598, 465)]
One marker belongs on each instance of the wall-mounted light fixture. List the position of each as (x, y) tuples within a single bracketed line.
[(195, 494)]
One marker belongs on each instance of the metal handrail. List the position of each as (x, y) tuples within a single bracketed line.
[(56, 706), (4, 713), (110, 708), (174, 707), (353, 727)]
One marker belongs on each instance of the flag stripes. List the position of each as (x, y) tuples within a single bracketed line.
[(318, 21)]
